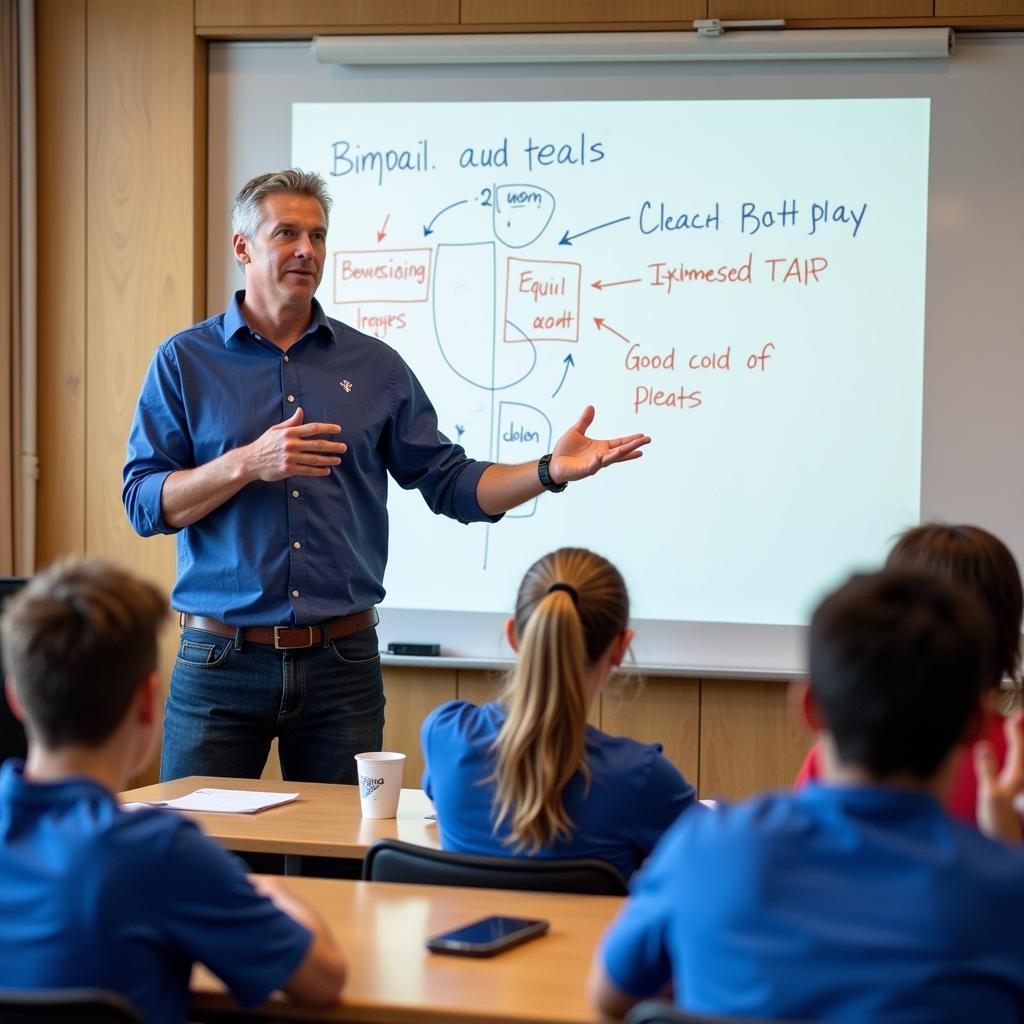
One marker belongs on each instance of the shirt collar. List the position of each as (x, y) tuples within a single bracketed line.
[(235, 325), (868, 795), (233, 319)]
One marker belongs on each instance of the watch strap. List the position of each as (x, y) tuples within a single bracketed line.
[(545, 476)]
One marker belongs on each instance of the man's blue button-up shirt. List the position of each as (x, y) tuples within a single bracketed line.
[(305, 549)]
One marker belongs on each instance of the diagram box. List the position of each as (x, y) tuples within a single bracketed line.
[(381, 275), (542, 300)]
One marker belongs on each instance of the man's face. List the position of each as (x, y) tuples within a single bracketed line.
[(285, 260)]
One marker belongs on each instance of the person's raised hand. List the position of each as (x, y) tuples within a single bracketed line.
[(576, 455), (294, 448), (997, 788)]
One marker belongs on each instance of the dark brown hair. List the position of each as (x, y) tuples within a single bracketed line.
[(898, 661), (981, 563), (78, 640)]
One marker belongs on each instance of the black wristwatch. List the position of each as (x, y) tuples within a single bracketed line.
[(545, 477)]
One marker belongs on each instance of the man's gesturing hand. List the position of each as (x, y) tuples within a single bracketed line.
[(294, 448), (576, 456)]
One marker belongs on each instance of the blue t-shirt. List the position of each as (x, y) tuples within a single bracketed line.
[(635, 792), (860, 904), (91, 895)]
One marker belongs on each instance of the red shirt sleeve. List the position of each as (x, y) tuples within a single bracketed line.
[(810, 770)]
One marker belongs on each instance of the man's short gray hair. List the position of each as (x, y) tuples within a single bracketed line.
[(247, 211)]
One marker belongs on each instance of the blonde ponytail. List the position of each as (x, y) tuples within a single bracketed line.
[(542, 744)]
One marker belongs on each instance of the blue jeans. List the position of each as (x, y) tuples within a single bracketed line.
[(324, 705)]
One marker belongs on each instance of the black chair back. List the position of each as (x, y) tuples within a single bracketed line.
[(12, 736), (66, 1006), (655, 1011), (390, 860)]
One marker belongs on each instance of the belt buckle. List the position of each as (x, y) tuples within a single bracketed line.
[(291, 647)]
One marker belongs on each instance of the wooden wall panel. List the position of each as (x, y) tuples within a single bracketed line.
[(60, 139), (412, 693), (875, 9), (978, 8), (749, 741), (586, 12), (663, 710), (244, 15), (140, 251), (479, 687)]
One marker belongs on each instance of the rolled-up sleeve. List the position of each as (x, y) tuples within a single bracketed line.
[(158, 445), (419, 455)]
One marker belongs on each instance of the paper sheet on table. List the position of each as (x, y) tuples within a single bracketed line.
[(226, 801)]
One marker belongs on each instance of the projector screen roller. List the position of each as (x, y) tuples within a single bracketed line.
[(743, 281)]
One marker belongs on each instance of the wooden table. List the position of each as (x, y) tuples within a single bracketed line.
[(324, 822), (381, 928)]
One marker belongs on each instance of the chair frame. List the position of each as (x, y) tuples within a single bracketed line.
[(581, 875), (659, 1011), (66, 1006)]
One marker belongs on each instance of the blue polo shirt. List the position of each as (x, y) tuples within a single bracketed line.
[(93, 896), (859, 904), (634, 792), (307, 549)]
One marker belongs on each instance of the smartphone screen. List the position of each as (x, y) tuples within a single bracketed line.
[(487, 936)]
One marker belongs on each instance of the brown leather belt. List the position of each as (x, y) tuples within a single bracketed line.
[(286, 638)]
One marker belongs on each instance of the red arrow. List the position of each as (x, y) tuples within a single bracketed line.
[(599, 320), (599, 284), (383, 228)]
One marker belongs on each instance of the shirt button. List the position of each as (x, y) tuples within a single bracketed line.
[(296, 545), (295, 593), (291, 398), (286, 359), (295, 494)]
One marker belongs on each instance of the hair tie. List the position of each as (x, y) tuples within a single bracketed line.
[(571, 591)]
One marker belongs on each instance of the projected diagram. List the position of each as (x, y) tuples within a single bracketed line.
[(742, 281)]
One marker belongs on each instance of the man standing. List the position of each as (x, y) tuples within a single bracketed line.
[(274, 476)]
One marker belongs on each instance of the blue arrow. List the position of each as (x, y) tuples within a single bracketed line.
[(428, 229), (567, 238), (568, 360)]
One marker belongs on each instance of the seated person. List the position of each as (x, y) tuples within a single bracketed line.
[(858, 898), (982, 563), (527, 774), (94, 896)]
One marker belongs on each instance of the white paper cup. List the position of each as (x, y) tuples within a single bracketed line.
[(380, 782)]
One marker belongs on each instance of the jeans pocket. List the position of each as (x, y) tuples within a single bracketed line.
[(358, 649), (203, 650)]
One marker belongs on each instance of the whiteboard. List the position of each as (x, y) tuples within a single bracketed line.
[(823, 418)]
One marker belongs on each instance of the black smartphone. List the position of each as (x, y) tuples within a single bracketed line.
[(487, 936)]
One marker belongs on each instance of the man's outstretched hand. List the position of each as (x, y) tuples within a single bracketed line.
[(576, 456)]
